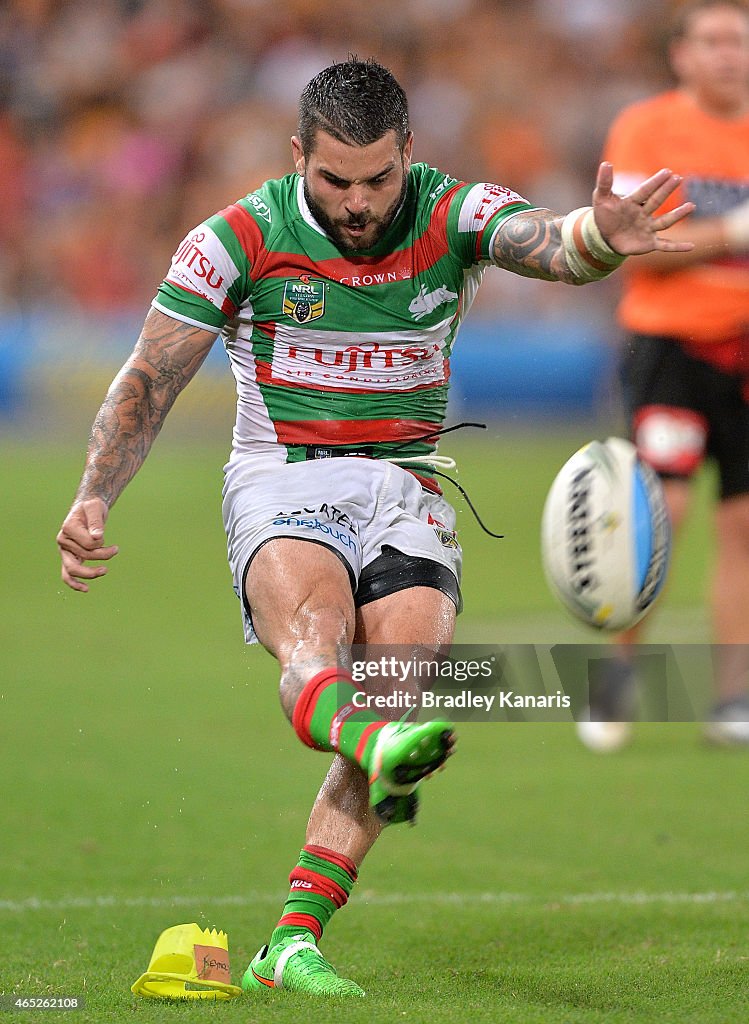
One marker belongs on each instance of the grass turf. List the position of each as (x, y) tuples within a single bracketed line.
[(149, 779)]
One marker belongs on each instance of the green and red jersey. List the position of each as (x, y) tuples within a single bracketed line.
[(332, 348)]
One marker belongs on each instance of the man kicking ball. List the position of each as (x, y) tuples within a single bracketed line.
[(338, 291)]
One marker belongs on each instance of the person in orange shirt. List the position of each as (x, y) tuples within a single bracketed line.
[(685, 370)]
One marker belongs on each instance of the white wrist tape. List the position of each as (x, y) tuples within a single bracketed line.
[(589, 256), (736, 227)]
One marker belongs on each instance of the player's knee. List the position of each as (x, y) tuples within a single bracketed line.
[(319, 637), (319, 624), (670, 439)]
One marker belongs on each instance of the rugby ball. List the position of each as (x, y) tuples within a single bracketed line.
[(605, 535)]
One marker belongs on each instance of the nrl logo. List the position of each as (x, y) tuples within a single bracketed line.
[(304, 299), (446, 538)]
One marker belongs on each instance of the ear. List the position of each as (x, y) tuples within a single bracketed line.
[(298, 155), (407, 148)]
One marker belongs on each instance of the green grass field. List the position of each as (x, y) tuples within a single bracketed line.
[(149, 779)]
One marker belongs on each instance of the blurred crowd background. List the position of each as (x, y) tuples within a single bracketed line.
[(123, 123)]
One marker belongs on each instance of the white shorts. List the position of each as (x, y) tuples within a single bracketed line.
[(354, 506)]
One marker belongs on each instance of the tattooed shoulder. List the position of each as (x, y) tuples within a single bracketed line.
[(166, 342), (170, 352)]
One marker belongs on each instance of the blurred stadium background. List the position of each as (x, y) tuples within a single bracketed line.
[(139, 739), (123, 123)]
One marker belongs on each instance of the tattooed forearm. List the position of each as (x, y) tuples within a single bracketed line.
[(530, 244), (167, 356)]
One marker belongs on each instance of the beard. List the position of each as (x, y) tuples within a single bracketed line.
[(334, 230)]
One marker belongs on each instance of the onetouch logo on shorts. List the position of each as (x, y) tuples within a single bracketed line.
[(346, 540), (304, 299)]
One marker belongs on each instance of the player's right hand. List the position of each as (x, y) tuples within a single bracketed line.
[(81, 540)]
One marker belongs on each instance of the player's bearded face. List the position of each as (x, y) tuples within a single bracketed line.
[(354, 192)]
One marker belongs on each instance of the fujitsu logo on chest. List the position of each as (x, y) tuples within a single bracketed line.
[(365, 357), (192, 256)]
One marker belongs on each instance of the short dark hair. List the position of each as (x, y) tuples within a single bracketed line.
[(682, 16), (356, 101)]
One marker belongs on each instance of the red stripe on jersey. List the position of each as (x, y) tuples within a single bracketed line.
[(441, 212), (245, 227), (264, 374), (339, 859), (351, 431)]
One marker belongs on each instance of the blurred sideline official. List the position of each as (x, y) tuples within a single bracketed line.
[(685, 368)]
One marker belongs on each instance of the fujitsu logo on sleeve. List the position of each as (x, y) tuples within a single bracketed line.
[(201, 264), (482, 202), (192, 256)]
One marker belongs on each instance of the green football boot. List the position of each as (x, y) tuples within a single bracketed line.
[(392, 810), (297, 965), (404, 754)]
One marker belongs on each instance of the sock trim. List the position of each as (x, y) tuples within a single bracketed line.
[(306, 921), (310, 882), (304, 708), (339, 859)]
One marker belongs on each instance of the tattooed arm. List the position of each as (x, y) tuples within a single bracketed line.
[(530, 244), (588, 244), (166, 357)]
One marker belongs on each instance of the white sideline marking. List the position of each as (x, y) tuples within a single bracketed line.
[(112, 902)]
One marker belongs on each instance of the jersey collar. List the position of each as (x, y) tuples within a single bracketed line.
[(305, 211)]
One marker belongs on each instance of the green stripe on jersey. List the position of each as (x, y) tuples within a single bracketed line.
[(298, 403), (185, 305)]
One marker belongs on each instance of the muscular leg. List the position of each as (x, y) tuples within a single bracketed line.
[(341, 818), (303, 613), (302, 610)]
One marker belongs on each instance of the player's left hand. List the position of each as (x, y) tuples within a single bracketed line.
[(628, 223), (81, 539)]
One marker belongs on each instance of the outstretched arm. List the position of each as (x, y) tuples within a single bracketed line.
[(166, 357), (589, 244)]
